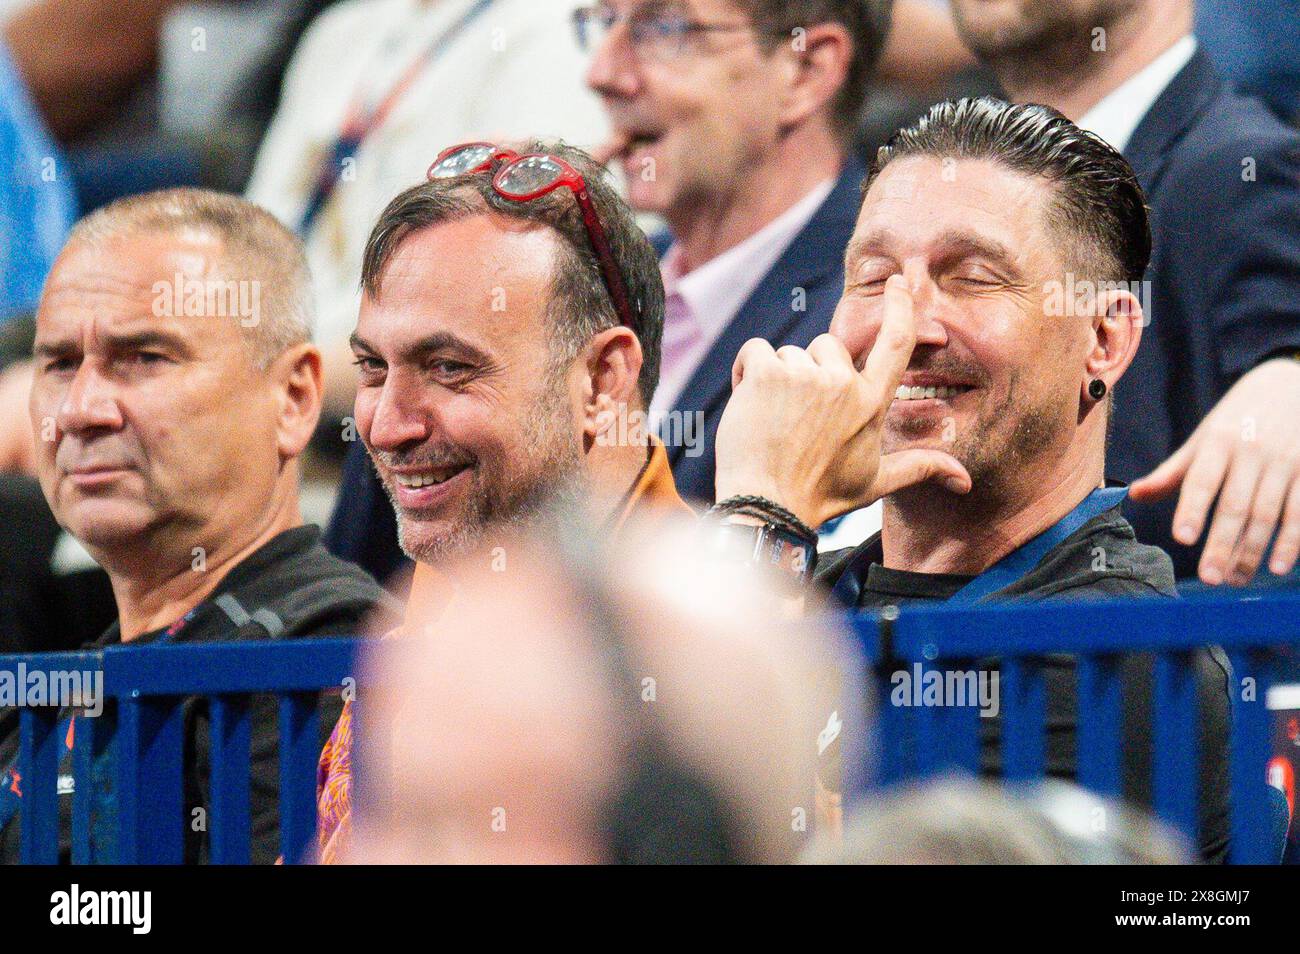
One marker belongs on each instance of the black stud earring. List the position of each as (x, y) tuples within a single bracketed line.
[(1096, 389)]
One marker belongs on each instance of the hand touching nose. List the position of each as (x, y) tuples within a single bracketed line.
[(803, 426)]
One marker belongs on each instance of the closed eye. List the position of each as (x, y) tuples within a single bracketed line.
[(872, 280), (60, 365)]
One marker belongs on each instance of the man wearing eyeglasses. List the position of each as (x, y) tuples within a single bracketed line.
[(733, 121)]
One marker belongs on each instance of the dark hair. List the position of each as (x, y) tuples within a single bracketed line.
[(867, 22), (1098, 203), (580, 305)]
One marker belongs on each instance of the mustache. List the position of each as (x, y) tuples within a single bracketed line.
[(428, 455), (948, 364)]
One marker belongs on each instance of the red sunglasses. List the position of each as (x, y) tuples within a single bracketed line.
[(524, 178)]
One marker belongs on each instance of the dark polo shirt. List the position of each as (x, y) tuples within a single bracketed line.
[(290, 588)]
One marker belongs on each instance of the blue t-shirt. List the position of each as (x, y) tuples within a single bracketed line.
[(37, 204)]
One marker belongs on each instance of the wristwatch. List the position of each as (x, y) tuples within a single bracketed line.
[(766, 544)]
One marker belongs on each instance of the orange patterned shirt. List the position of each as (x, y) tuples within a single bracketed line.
[(429, 591)]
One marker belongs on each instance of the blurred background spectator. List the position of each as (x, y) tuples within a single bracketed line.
[(1256, 45), (961, 821), (145, 94), (37, 206)]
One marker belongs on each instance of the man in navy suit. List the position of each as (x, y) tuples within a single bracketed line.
[(733, 121), (1214, 392)]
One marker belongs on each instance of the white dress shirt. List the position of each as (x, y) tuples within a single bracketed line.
[(1120, 112), (715, 291)]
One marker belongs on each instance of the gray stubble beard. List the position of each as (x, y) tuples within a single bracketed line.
[(559, 486)]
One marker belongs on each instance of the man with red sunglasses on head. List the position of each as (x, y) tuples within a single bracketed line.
[(509, 326)]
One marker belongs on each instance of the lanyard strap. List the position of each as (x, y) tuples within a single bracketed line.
[(1016, 565), (359, 124), (1010, 569)]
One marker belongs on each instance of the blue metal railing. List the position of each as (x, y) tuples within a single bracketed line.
[(150, 682), (1254, 629)]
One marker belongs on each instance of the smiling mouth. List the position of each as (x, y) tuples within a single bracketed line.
[(919, 393), (427, 478)]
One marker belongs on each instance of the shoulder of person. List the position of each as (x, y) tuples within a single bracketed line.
[(1238, 149), (1101, 559), (341, 33), (830, 565), (337, 598), (339, 22), (303, 591)]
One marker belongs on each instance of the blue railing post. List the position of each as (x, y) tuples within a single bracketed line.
[(299, 754), (1176, 717), (83, 791), (39, 771), (963, 724), (1252, 731), (150, 785), (927, 721), (228, 828), (1024, 711), (1100, 724)]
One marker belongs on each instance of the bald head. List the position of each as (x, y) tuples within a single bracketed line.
[(258, 276)]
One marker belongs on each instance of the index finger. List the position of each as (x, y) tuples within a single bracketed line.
[(889, 356)]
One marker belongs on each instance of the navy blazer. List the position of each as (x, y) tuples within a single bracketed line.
[(1222, 178), (814, 261)]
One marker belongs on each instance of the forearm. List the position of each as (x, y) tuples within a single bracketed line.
[(77, 56)]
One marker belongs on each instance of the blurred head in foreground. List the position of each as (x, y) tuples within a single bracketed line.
[(961, 821), (628, 706)]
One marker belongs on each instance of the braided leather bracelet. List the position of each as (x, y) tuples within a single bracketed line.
[(764, 509)]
